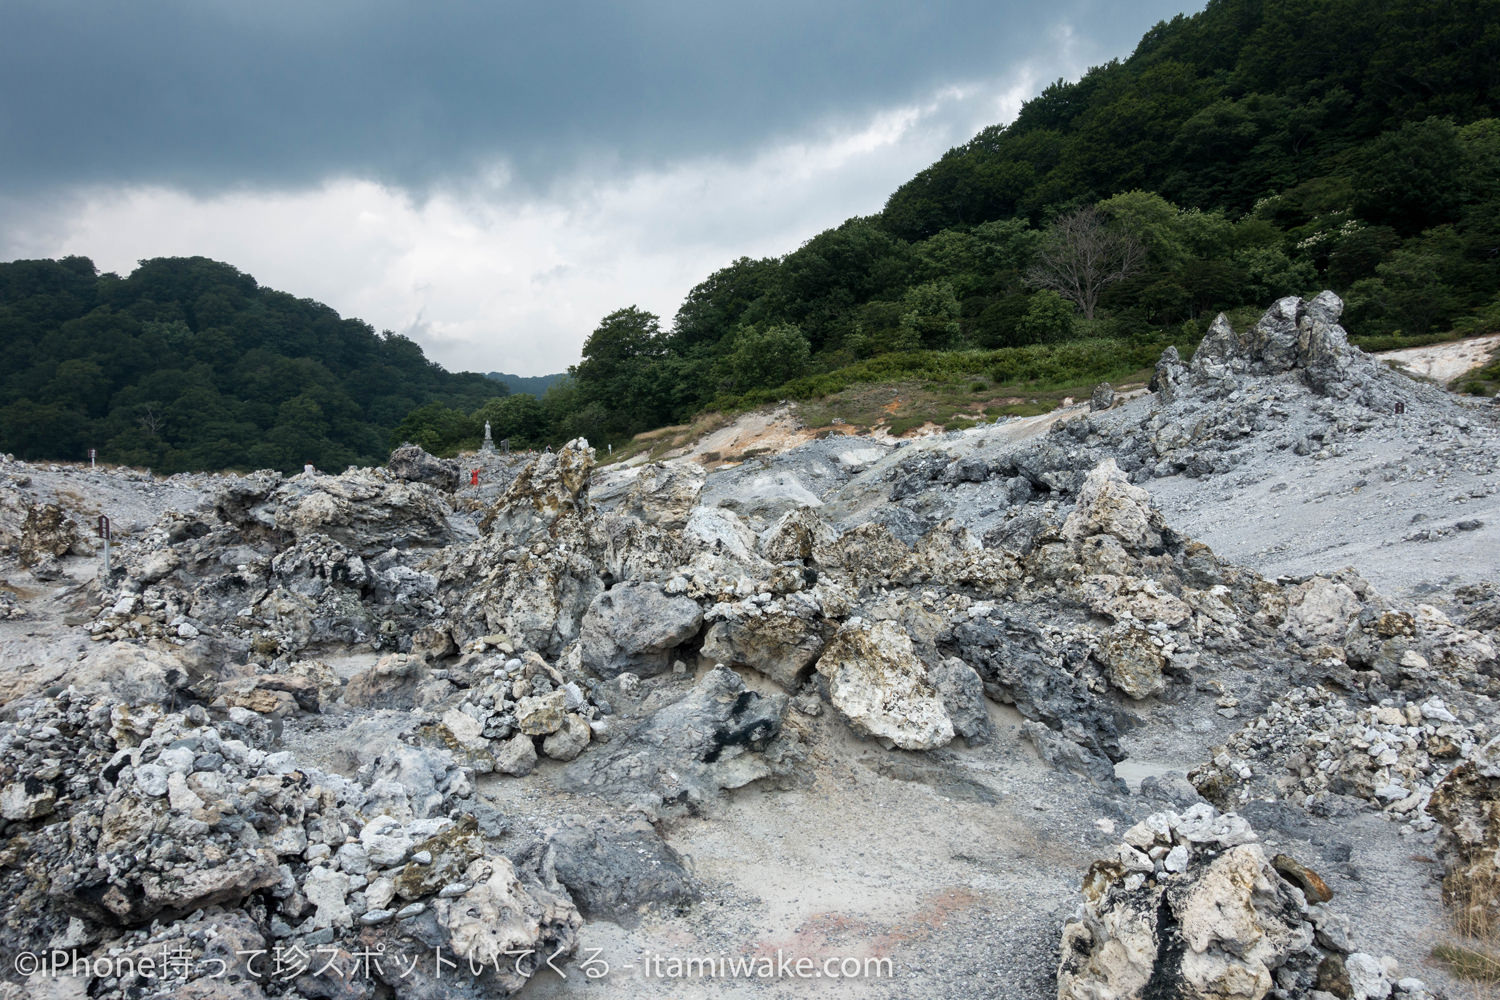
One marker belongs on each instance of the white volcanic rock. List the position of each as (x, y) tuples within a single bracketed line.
[(877, 682)]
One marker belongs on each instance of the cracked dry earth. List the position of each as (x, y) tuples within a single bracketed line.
[(1187, 696)]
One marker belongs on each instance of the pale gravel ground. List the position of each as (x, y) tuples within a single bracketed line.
[(1445, 362), (1281, 513)]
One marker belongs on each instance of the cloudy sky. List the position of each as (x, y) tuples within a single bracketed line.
[(491, 177)]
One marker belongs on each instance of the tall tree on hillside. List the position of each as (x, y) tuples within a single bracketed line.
[(1081, 255), (621, 370)]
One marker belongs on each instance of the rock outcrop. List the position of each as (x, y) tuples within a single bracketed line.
[(1467, 805), (129, 814), (1190, 906), (682, 755), (635, 627), (410, 463), (876, 681)]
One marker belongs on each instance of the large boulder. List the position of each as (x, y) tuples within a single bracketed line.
[(1320, 610), (539, 561), (1168, 375), (1323, 345), (799, 535), (500, 917), (1189, 907), (1219, 349), (1272, 341), (393, 682), (779, 644), (616, 869), (366, 510), (962, 691), (877, 682), (1045, 680), (413, 465), (1109, 505), (664, 493), (682, 755), (1133, 662), (634, 626), (47, 533)]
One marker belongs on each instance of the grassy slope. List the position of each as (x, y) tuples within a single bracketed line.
[(902, 393)]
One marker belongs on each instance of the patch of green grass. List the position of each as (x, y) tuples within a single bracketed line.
[(1395, 342), (1484, 381), (1030, 408), (1473, 950), (1469, 962), (901, 426), (1075, 365)]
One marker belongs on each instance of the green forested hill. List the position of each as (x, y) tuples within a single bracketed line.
[(1256, 149), (189, 364), (531, 385), (1248, 99)]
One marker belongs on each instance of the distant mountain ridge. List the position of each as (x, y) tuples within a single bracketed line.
[(531, 385), (190, 364)]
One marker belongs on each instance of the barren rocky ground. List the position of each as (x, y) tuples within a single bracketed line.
[(1182, 695)]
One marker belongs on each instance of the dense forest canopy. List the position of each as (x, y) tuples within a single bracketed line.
[(532, 385), (189, 364), (1257, 149)]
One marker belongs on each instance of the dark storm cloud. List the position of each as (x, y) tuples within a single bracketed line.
[(207, 94)]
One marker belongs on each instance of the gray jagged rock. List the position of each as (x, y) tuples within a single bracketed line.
[(1020, 665), (664, 493), (1169, 372), (1271, 344), (617, 869), (541, 558), (273, 566), (781, 643), (135, 817), (1294, 334), (413, 465), (680, 756), (1218, 351), (962, 692), (634, 626)]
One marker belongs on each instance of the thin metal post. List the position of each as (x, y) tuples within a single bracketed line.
[(104, 534)]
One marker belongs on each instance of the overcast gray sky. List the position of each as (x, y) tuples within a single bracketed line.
[(491, 177)]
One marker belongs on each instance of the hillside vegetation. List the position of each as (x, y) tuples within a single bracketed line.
[(189, 364), (1256, 149)]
